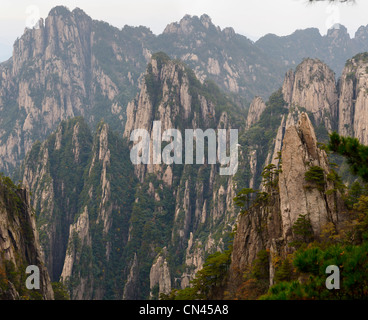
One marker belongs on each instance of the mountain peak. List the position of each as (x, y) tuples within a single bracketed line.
[(307, 63), (338, 30), (65, 12), (160, 57), (189, 23), (206, 20), (77, 12), (59, 10), (362, 33), (308, 31), (313, 88)]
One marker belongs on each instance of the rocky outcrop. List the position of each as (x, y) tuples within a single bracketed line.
[(19, 246), (298, 155), (130, 291), (313, 88), (201, 200), (93, 213), (82, 196), (268, 225), (353, 103), (37, 178), (288, 86), (255, 110), (59, 70), (41, 174), (79, 240), (310, 91), (168, 80), (160, 276), (341, 107), (256, 230)]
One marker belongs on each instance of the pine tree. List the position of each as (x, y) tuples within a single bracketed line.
[(355, 153), (303, 231)]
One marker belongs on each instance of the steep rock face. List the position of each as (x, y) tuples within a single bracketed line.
[(268, 224), (313, 88), (160, 276), (200, 199), (310, 88), (60, 70), (288, 86), (164, 79), (79, 237), (259, 229), (19, 246), (95, 216), (361, 36), (46, 174), (299, 153), (353, 104), (255, 110), (83, 193), (130, 292), (341, 107)]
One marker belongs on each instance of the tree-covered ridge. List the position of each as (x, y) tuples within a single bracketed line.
[(209, 282), (18, 245), (200, 213), (222, 100), (64, 174), (107, 195), (107, 228), (260, 138)]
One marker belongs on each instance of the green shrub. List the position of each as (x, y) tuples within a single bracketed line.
[(302, 231), (316, 176), (60, 291)]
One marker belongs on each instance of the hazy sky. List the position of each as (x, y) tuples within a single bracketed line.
[(248, 17)]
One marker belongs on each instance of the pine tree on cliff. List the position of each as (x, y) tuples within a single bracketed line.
[(355, 153)]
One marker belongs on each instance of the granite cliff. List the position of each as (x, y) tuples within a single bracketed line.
[(96, 210), (19, 246), (268, 224)]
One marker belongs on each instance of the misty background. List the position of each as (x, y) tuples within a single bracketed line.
[(251, 18)]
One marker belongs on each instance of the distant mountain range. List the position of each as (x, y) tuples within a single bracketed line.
[(334, 48), (73, 65)]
